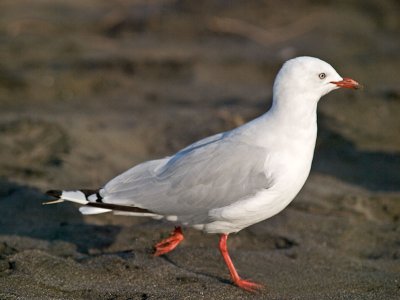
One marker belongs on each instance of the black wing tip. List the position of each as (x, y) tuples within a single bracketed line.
[(54, 193)]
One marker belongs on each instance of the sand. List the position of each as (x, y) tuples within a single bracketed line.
[(90, 88)]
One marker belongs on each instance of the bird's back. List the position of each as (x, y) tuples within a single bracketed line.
[(202, 177)]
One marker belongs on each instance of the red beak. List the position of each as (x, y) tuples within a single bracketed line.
[(347, 83)]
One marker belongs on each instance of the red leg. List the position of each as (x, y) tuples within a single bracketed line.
[(244, 284), (170, 243)]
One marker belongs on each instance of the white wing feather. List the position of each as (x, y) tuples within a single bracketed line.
[(212, 173)]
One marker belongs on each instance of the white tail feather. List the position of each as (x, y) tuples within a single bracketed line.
[(74, 196), (86, 210), (93, 204)]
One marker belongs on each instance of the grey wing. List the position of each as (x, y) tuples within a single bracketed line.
[(145, 172), (197, 179), (203, 142)]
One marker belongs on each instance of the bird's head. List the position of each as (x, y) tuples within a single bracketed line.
[(310, 78)]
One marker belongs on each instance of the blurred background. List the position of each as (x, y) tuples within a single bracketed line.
[(89, 88)]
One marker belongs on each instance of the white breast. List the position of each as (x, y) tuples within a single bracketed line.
[(288, 165)]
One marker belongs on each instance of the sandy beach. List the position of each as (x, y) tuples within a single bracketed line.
[(90, 88)]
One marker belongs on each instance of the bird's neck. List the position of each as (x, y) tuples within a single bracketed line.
[(295, 112)]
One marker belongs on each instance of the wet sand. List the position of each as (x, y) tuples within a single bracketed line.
[(90, 88)]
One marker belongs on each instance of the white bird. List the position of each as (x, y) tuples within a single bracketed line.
[(231, 180)]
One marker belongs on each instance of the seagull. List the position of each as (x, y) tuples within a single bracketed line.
[(230, 180)]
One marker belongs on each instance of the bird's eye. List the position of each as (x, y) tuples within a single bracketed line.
[(322, 75)]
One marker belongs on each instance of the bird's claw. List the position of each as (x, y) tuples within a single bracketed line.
[(248, 285), (169, 243)]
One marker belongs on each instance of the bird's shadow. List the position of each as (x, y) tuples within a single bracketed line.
[(338, 156), (24, 215), (169, 260)]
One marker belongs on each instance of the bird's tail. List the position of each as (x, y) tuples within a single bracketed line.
[(92, 201)]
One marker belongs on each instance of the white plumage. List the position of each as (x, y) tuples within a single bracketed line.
[(231, 180)]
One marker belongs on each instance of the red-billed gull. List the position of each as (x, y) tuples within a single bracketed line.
[(231, 180)]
